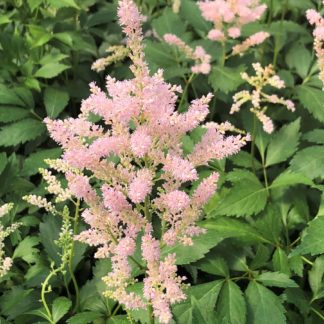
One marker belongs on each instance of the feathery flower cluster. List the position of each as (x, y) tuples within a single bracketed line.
[(253, 40), (162, 285), (40, 202), (198, 55), (228, 16), (317, 20), (5, 262), (133, 168), (176, 4), (118, 53), (264, 76)]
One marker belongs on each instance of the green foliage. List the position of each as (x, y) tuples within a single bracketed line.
[(201, 245), (263, 305), (262, 257), (21, 132), (55, 100), (247, 196), (276, 279), (312, 99), (312, 239), (316, 280), (309, 162), (231, 307), (226, 79), (60, 307), (202, 296), (277, 149)]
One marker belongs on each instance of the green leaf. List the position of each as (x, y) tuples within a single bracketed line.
[(25, 96), (313, 238), (41, 312), (55, 101), (281, 29), (32, 84), (118, 319), (168, 22), (316, 278), (262, 139), (3, 161), (102, 16), (52, 57), (36, 160), (198, 315), (283, 143), (231, 307), (4, 19), (18, 301), (213, 265), (159, 54), (41, 40), (229, 227), (315, 136), (246, 197), (60, 307), (10, 97), (309, 162), (26, 249), (276, 279), (92, 300), (21, 132), (280, 262), (263, 305), (190, 12), (287, 179), (33, 4), (269, 224), (84, 318), (50, 70), (313, 100), (10, 113), (297, 297), (201, 245), (205, 297), (63, 4), (299, 58), (65, 38), (296, 265), (36, 273), (226, 79), (49, 232), (243, 159)]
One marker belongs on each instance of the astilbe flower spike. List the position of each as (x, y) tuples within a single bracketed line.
[(117, 54), (264, 77), (198, 55), (5, 262), (115, 168), (317, 20), (229, 16)]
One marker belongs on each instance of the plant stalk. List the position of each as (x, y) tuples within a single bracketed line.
[(75, 283)]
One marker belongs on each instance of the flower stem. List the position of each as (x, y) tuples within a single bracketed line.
[(223, 58), (253, 144), (265, 176), (185, 90), (307, 261), (75, 283), (151, 316), (44, 291), (116, 310), (131, 257), (147, 213), (317, 313)]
